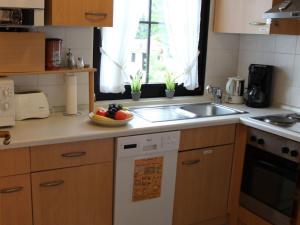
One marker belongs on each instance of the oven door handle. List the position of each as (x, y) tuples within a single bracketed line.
[(268, 164)]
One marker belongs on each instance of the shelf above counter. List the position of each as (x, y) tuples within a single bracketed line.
[(63, 71)]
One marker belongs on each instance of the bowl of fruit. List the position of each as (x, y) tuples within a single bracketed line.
[(116, 115)]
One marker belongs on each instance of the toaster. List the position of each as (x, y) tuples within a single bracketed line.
[(31, 105), (7, 106)]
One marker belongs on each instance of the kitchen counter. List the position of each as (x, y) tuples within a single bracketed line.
[(59, 129)]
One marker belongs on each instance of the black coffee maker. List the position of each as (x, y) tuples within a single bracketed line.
[(259, 86)]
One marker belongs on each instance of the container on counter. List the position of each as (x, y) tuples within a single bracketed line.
[(53, 53)]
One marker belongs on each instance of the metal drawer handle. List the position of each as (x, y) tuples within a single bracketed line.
[(73, 154), (97, 14), (52, 183), (258, 23), (191, 162), (11, 190)]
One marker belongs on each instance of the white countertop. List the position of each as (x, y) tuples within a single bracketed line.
[(59, 129)]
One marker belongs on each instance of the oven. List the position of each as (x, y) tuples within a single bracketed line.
[(270, 177)]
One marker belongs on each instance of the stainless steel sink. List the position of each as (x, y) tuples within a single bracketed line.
[(183, 112)]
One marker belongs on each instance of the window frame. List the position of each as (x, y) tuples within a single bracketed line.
[(157, 90)]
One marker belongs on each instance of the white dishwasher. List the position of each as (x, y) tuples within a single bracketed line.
[(145, 179)]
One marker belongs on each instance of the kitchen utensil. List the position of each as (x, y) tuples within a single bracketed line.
[(235, 90), (53, 53), (104, 121)]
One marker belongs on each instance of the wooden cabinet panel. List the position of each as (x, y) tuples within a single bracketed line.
[(79, 12), (22, 52), (14, 162), (74, 196), (15, 200), (71, 154), (244, 16), (207, 136), (202, 185)]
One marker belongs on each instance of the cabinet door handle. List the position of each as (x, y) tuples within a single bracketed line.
[(191, 162), (52, 183), (254, 23), (96, 14), (11, 190), (73, 154)]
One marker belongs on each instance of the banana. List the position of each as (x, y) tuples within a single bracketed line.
[(101, 118)]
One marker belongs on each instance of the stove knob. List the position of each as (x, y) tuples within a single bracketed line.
[(285, 150), (294, 153), (261, 141), (253, 138)]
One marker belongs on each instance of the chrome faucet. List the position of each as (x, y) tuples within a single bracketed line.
[(216, 92)]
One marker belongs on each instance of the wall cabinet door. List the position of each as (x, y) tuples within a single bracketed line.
[(15, 200), (202, 185), (74, 196), (244, 16), (241, 16), (79, 13)]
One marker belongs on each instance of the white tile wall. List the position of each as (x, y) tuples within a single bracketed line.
[(283, 52), (222, 61), (80, 41), (222, 56)]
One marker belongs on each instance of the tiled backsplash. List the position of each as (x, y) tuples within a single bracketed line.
[(283, 52), (80, 41), (222, 61)]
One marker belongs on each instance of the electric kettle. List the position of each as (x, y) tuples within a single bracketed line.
[(235, 90)]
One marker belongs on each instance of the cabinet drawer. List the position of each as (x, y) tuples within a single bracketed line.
[(207, 137), (74, 196), (14, 162), (15, 200), (71, 154)]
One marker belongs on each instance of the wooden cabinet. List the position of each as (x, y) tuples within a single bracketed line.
[(14, 162), (79, 13), (74, 196), (243, 16), (71, 154), (202, 185), (204, 137), (15, 200)]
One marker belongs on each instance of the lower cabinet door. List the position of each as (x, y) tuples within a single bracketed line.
[(73, 196), (202, 185), (15, 200)]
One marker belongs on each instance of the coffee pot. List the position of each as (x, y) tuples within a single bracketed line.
[(235, 90)]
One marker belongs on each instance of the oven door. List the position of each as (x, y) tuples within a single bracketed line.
[(269, 186)]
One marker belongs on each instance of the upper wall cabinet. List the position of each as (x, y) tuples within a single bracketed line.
[(246, 17), (79, 13)]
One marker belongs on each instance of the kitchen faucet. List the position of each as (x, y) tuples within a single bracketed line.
[(7, 137), (216, 92)]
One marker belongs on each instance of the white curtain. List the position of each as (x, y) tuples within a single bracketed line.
[(116, 45), (182, 20)]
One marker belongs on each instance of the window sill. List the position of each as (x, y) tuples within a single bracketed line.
[(155, 101)]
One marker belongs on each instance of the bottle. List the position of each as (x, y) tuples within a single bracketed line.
[(70, 60), (80, 63)]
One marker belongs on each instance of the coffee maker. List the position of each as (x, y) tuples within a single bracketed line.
[(259, 86)]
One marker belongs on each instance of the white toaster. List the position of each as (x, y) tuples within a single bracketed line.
[(31, 105)]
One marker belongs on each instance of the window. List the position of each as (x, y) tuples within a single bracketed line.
[(150, 53)]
